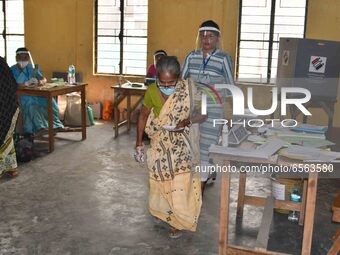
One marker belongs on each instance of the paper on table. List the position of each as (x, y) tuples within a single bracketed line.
[(263, 152), (305, 153), (270, 147), (309, 128), (51, 85), (256, 139)]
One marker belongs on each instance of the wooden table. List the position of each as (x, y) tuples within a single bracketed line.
[(306, 207), (121, 92), (49, 93)]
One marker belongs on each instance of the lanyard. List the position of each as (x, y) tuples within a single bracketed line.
[(206, 60)]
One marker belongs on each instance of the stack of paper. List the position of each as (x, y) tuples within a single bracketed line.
[(51, 85), (308, 128), (304, 153), (262, 152)]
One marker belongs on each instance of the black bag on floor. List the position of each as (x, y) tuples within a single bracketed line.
[(24, 148)]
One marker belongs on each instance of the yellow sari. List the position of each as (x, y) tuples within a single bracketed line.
[(8, 161), (175, 191)]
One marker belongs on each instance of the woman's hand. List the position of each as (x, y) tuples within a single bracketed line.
[(31, 81), (139, 154), (42, 82), (143, 116), (184, 123)]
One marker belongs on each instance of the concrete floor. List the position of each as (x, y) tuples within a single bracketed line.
[(91, 197)]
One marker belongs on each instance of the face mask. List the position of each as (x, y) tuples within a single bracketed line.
[(167, 91), (22, 64)]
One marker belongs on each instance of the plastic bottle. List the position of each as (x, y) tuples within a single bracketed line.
[(35, 71), (120, 80), (294, 197), (71, 76), (225, 135)]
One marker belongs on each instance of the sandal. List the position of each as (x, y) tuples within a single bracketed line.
[(9, 173), (213, 176), (175, 233)]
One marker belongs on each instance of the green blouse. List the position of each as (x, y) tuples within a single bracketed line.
[(152, 99)]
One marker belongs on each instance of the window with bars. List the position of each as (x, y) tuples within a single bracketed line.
[(12, 27), (121, 37), (262, 24)]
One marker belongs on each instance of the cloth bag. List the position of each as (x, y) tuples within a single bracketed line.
[(73, 111)]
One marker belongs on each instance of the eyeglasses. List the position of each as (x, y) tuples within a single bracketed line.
[(166, 84)]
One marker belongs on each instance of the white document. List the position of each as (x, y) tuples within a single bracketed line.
[(263, 152), (256, 139), (306, 153), (278, 190), (270, 147), (172, 128)]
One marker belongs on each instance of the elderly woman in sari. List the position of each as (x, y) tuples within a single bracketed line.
[(175, 195), (34, 108), (8, 116)]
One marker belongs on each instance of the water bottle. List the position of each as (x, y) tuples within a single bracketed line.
[(35, 71), (294, 197), (71, 76), (120, 80), (225, 135)]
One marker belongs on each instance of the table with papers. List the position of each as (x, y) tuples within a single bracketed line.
[(247, 153), (49, 91), (126, 90)]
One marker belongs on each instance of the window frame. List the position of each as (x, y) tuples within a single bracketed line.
[(4, 34), (270, 41), (121, 37)]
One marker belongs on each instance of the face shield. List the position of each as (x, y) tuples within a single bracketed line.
[(157, 56), (30, 59), (208, 38)]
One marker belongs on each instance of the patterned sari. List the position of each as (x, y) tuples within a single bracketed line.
[(175, 191), (8, 116), (8, 161)]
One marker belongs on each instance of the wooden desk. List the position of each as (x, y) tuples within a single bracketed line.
[(121, 92), (307, 206), (49, 94)]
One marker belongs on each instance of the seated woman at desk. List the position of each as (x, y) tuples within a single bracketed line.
[(174, 195), (34, 108)]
